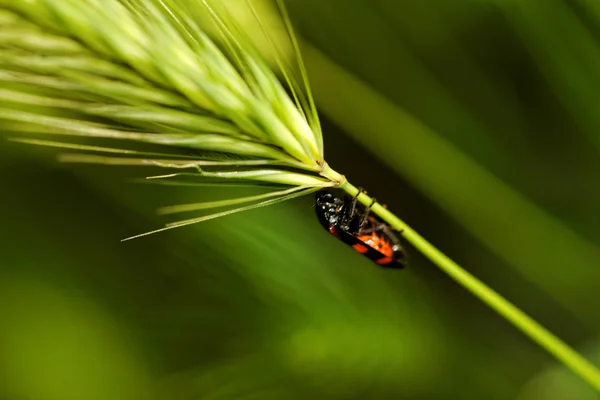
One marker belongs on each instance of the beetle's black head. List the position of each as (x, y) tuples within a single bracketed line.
[(324, 198), (329, 208)]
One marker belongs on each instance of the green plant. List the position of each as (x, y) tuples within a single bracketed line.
[(146, 74)]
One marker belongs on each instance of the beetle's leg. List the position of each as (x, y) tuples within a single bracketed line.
[(378, 228), (390, 234), (354, 202), (350, 207), (388, 230), (365, 215), (399, 252)]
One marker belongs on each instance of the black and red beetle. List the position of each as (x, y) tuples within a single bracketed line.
[(351, 223)]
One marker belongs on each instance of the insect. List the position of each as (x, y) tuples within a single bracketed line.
[(352, 224)]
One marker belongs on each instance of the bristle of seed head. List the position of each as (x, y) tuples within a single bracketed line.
[(117, 58)]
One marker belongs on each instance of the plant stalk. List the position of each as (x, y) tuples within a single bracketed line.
[(540, 335)]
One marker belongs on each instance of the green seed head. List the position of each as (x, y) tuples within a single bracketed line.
[(148, 72)]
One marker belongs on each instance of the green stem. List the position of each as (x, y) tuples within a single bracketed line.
[(502, 306)]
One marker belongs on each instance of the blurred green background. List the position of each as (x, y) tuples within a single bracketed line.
[(474, 120)]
